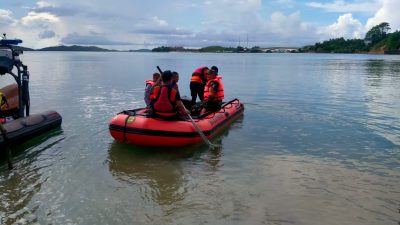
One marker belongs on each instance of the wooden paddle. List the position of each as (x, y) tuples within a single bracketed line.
[(202, 135)]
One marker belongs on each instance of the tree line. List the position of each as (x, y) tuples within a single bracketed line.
[(376, 40), (238, 49)]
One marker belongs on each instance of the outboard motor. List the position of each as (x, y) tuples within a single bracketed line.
[(6, 60), (9, 58)]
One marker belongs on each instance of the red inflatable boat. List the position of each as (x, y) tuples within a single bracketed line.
[(136, 127)]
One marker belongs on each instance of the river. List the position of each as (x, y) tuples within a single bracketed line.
[(319, 143)]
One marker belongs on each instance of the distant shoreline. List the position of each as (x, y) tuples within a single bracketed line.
[(210, 49), (133, 51)]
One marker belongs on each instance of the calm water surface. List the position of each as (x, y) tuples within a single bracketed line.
[(319, 143)]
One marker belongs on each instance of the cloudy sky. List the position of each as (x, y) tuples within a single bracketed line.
[(135, 24)]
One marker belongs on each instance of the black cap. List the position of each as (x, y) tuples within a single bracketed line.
[(166, 75), (214, 70)]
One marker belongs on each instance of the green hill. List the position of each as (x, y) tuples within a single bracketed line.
[(391, 44), (23, 48), (215, 49), (377, 40), (338, 45), (75, 48), (171, 49)]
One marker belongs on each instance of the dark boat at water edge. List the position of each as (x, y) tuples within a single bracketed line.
[(16, 123)]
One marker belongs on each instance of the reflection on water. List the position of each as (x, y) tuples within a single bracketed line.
[(161, 171), (382, 91), (25, 180), (162, 179), (307, 190), (382, 68), (374, 68), (18, 188)]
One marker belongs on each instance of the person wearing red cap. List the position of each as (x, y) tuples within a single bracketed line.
[(213, 91)]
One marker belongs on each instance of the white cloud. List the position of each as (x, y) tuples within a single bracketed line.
[(286, 25), (205, 22), (92, 39), (39, 19), (286, 30), (5, 17), (39, 29), (278, 30), (158, 27), (388, 12), (245, 20), (237, 15), (345, 26), (56, 10), (342, 7), (160, 22), (43, 4)]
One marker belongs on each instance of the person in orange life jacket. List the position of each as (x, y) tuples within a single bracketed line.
[(166, 101), (197, 83), (3, 105), (3, 101), (213, 91), (175, 79), (149, 88)]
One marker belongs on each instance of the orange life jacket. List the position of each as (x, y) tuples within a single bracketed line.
[(152, 83), (198, 76), (219, 95), (164, 100), (9, 97)]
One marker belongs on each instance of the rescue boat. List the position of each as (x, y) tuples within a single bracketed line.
[(139, 128), (16, 123)]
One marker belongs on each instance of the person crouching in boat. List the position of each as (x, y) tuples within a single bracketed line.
[(197, 82), (213, 91), (149, 88), (166, 101)]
